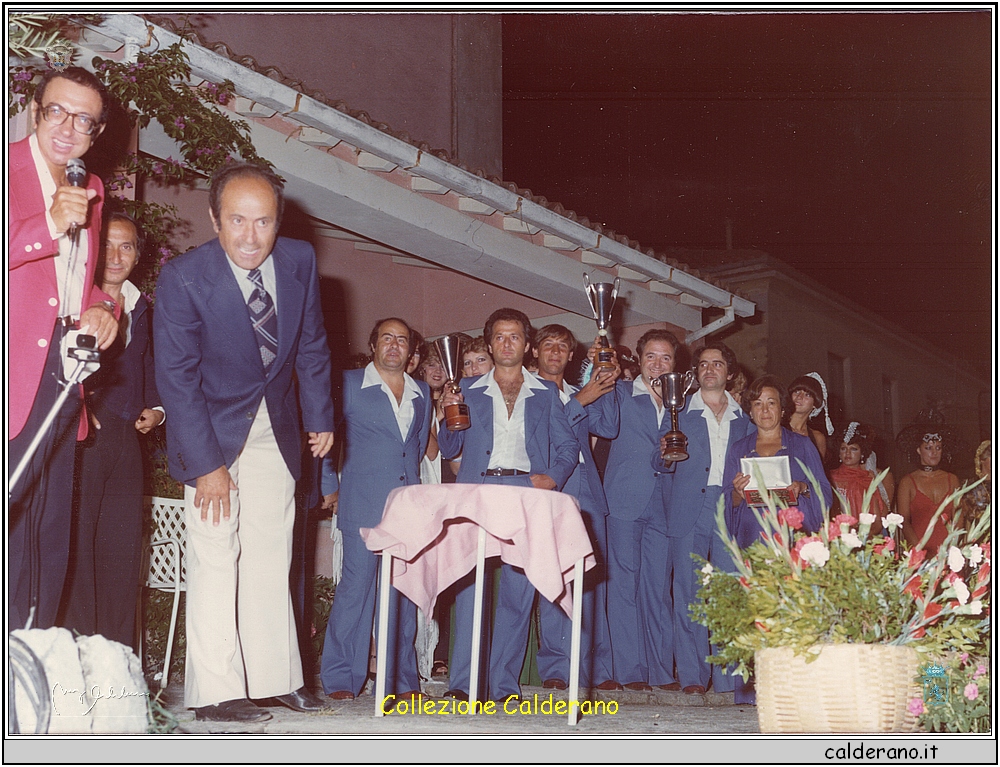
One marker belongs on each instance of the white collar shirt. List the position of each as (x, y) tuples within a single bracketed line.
[(247, 287), (71, 268), (639, 388), (403, 410), (509, 444), (718, 432), (567, 391), (130, 297)]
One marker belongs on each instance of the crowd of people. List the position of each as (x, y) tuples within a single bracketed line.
[(242, 369)]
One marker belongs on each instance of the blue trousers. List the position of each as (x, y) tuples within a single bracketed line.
[(691, 639), (639, 605), (722, 681), (595, 638), (510, 636), (344, 665)]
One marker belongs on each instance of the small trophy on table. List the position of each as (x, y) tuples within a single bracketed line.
[(449, 349), (602, 297), (674, 387)]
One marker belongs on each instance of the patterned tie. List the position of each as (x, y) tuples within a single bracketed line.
[(264, 318)]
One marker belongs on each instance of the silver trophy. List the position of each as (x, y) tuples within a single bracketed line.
[(602, 297), (449, 350), (674, 388)]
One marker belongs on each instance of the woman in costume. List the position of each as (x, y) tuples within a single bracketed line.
[(853, 477), (922, 492)]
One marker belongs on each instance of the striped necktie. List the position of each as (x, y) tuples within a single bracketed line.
[(264, 318)]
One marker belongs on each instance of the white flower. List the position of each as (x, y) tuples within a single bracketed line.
[(866, 520), (975, 607), (815, 553), (955, 559), (850, 539), (975, 554), (961, 591), (707, 570), (892, 521)]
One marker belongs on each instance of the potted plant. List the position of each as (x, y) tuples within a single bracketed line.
[(840, 626)]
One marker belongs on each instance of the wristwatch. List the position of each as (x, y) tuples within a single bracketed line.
[(108, 304)]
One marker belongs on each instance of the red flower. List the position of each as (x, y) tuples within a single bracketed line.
[(913, 588), (834, 532), (986, 551), (916, 557), (983, 573), (918, 632), (778, 539), (889, 545), (931, 610), (744, 583), (760, 626), (791, 517)]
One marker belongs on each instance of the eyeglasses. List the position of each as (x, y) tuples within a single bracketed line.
[(82, 123)]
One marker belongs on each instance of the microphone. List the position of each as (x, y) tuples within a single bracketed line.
[(76, 175)]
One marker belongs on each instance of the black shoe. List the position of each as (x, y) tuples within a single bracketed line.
[(240, 710), (298, 700), (515, 697), (457, 695), (554, 684)]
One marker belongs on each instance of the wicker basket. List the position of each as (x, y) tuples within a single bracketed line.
[(855, 688)]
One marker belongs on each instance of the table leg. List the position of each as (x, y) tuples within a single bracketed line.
[(382, 661), (574, 652), (477, 620)]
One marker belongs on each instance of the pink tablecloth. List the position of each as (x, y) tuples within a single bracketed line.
[(432, 530)]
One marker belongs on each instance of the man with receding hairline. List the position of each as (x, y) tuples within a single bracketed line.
[(238, 333)]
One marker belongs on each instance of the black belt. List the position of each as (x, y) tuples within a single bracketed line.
[(505, 473)]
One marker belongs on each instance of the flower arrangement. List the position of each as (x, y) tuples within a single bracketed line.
[(847, 584)]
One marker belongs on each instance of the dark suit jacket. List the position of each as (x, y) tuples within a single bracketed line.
[(376, 458), (684, 485), (208, 367), (126, 382), (550, 443)]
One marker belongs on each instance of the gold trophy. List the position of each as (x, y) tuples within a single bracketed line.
[(449, 349), (674, 387), (601, 296)]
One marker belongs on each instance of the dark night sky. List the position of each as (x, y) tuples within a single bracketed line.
[(853, 146)]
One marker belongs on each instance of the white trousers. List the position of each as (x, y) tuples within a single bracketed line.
[(241, 637)]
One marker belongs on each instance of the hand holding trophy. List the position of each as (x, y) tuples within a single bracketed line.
[(602, 297), (456, 415), (674, 387)]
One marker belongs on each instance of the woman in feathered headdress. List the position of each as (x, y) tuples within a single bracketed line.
[(853, 478)]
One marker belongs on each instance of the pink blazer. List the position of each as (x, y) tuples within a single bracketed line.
[(34, 294)]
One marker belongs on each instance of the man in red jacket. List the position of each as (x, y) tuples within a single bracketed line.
[(51, 278)]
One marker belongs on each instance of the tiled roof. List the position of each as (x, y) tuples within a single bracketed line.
[(277, 75)]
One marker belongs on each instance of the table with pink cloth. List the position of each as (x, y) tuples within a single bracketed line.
[(432, 533)]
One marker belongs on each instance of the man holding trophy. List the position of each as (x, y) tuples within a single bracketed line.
[(690, 488), (518, 435)]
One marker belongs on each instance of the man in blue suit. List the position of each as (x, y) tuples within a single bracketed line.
[(691, 490), (519, 436), (387, 416), (638, 601), (554, 345), (238, 331)]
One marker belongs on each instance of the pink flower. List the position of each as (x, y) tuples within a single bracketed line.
[(963, 657), (980, 671), (844, 519), (915, 707), (971, 691), (791, 517)]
